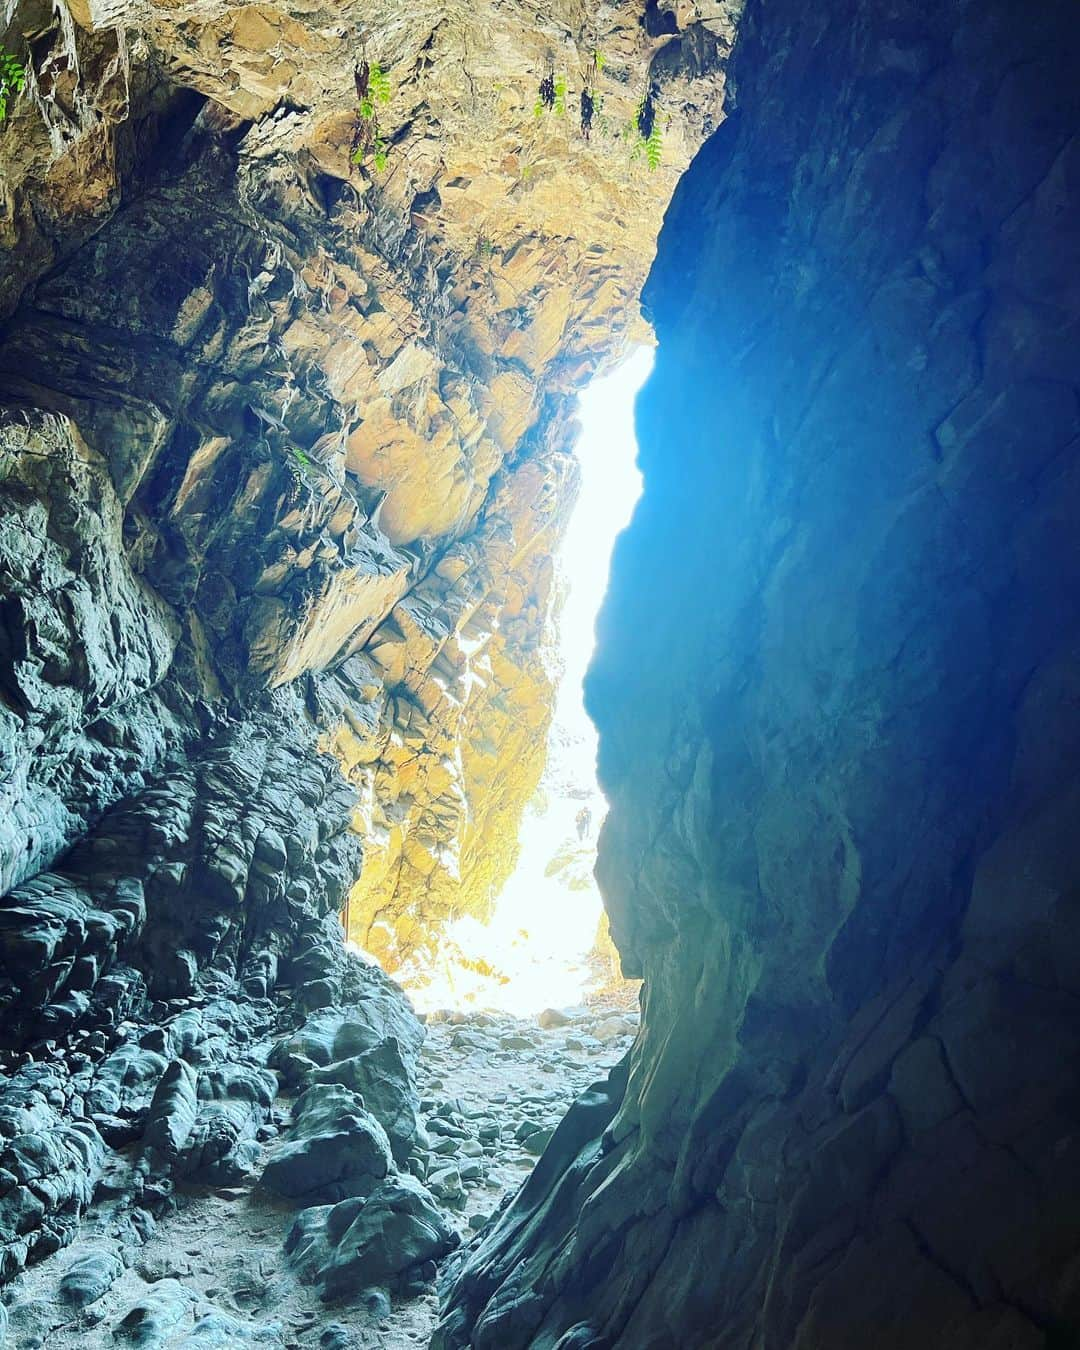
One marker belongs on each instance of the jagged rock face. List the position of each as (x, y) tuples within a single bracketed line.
[(319, 409), (837, 696), (283, 459)]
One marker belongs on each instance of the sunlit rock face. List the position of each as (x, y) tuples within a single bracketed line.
[(288, 352), (837, 696), (309, 360)]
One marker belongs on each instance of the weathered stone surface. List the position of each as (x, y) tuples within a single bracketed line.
[(283, 454), (327, 1038), (225, 870), (327, 405), (835, 686), (154, 1319), (383, 1239), (91, 1276), (337, 1151), (382, 1077), (284, 450), (175, 878), (85, 644)]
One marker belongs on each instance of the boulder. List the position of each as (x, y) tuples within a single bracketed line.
[(375, 1240), (335, 1151), (384, 1081)]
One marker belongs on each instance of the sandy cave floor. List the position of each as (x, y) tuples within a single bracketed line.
[(214, 1273)]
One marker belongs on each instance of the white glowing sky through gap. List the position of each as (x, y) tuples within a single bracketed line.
[(610, 487), (545, 920)]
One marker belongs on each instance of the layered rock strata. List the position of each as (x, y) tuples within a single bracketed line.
[(836, 689), (314, 395), (293, 309)]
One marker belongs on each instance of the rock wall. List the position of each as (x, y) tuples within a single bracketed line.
[(837, 695), (288, 351), (310, 355)]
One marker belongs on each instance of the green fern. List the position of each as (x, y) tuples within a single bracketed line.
[(599, 60), (12, 80), (560, 97), (379, 84), (301, 457), (654, 147), (372, 87)]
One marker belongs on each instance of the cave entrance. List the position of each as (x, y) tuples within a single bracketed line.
[(545, 944)]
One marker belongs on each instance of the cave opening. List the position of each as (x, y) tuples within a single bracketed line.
[(545, 942)]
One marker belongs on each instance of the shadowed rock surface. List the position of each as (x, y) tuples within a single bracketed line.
[(284, 453), (224, 1262), (289, 420), (837, 689)]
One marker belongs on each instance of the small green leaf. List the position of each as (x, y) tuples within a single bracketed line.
[(380, 84), (654, 148), (12, 80), (600, 59)]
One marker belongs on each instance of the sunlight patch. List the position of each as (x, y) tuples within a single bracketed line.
[(539, 950)]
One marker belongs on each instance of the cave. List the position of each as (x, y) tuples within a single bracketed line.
[(296, 307)]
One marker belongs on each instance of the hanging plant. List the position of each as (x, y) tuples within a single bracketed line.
[(12, 80), (372, 89), (645, 132), (380, 84), (376, 85), (654, 147)]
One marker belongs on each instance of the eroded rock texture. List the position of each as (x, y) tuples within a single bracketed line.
[(287, 358), (309, 410), (837, 694)]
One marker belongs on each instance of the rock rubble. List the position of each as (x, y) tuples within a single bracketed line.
[(288, 1198)]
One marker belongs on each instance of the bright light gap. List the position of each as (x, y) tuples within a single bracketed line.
[(535, 951)]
